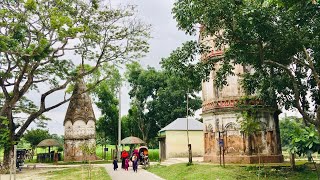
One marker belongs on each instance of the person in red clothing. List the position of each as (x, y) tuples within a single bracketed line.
[(124, 156), (126, 164)]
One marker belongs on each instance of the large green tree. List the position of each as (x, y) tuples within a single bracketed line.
[(279, 39), (144, 84), (35, 136), (107, 124), (160, 96), (299, 138), (39, 42)]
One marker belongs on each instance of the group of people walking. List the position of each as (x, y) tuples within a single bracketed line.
[(126, 160)]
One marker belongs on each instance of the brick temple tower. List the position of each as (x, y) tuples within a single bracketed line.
[(221, 119), (79, 124)]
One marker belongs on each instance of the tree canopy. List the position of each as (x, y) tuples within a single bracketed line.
[(35, 136), (299, 138), (160, 96), (42, 42), (279, 39), (107, 102)]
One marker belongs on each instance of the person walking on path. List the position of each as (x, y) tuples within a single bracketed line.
[(126, 164), (135, 163), (115, 164), (124, 156)]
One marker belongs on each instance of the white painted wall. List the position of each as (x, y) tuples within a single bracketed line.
[(177, 143)]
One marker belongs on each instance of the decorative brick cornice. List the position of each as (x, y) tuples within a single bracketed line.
[(213, 54), (219, 104), (227, 104)]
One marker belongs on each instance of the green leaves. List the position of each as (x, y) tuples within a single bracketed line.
[(279, 39), (299, 138), (248, 120), (30, 5), (159, 96), (35, 136), (42, 42), (107, 101), (4, 133)]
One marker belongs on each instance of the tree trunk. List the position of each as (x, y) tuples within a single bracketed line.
[(7, 158), (144, 137), (244, 142), (249, 145), (292, 161), (277, 128), (9, 145)]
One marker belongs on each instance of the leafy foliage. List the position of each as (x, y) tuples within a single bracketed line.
[(4, 134), (279, 39), (35, 136), (107, 124), (248, 118), (159, 96), (37, 40), (300, 139), (107, 102), (288, 127)]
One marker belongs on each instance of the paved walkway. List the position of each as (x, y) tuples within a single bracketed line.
[(121, 174)]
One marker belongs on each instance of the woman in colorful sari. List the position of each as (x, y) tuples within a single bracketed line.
[(124, 156)]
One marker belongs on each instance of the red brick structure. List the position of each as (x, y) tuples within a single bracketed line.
[(222, 134)]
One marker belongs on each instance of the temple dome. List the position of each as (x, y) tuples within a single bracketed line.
[(80, 106)]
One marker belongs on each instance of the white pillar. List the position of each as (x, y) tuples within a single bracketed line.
[(119, 125)]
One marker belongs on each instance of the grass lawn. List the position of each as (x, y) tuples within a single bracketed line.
[(153, 153), (77, 173), (83, 162), (232, 172)]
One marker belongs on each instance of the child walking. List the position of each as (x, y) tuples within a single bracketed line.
[(135, 163), (115, 164), (126, 164)]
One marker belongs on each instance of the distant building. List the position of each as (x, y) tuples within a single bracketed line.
[(173, 140), (79, 125), (221, 119)]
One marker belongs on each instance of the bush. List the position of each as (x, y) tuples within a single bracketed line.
[(154, 154)]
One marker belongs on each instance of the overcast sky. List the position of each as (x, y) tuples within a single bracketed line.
[(165, 38)]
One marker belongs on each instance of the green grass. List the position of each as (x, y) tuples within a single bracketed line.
[(232, 172), (99, 151), (84, 162), (77, 173), (153, 153)]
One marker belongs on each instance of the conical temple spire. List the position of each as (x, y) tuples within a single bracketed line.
[(80, 106)]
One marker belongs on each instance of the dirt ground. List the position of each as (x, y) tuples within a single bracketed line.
[(29, 174)]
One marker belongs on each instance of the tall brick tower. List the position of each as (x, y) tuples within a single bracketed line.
[(221, 119)]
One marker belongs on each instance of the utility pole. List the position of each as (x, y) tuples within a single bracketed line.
[(14, 161), (189, 145), (119, 125)]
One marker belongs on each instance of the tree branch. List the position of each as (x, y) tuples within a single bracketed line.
[(295, 90), (311, 66)]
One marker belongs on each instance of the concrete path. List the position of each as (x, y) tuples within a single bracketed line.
[(121, 174)]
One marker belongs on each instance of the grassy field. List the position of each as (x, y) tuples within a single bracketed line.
[(99, 151), (153, 153), (77, 173), (232, 172)]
